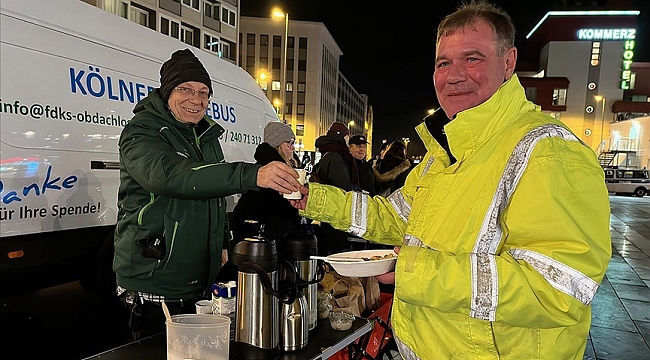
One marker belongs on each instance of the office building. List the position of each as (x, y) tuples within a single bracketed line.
[(317, 94), (587, 78)]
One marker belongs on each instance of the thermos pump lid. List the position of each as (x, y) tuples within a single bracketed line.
[(298, 245)]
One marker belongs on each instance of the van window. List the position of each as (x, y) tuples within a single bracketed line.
[(632, 174)]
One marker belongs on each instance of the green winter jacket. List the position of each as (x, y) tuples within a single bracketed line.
[(173, 180), (503, 250)]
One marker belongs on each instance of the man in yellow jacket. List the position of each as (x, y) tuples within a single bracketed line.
[(503, 226)]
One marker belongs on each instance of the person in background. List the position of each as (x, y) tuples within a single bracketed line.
[(358, 148), (267, 206), (172, 226), (503, 227), (338, 168), (392, 170), (382, 149)]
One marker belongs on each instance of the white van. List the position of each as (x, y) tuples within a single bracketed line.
[(627, 181), (71, 75)]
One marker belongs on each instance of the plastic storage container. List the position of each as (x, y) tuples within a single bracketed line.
[(198, 336)]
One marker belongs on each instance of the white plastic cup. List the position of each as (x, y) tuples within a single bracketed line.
[(204, 307), (198, 336), (296, 195)]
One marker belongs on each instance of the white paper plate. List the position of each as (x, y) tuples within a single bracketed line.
[(362, 268)]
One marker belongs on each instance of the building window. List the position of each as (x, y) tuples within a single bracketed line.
[(559, 97), (187, 35), (211, 43), (139, 16), (170, 27), (275, 85), (194, 4), (228, 16), (300, 109), (264, 40), (250, 39), (211, 10), (301, 87), (228, 50), (117, 7), (289, 86)]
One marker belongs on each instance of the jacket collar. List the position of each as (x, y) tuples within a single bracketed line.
[(472, 127)]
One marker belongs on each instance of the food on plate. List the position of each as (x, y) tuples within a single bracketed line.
[(378, 257)]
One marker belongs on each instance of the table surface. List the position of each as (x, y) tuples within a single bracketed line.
[(323, 343)]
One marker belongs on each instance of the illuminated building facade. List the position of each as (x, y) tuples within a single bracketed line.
[(587, 78)]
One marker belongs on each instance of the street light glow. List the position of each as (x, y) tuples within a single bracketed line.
[(277, 13)]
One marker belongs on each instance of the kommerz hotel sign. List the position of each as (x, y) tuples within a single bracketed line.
[(607, 34), (626, 35)]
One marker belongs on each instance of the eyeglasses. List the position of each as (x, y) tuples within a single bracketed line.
[(204, 95), (291, 142)]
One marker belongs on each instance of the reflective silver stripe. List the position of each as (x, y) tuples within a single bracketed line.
[(428, 165), (404, 350), (562, 277), (410, 240), (359, 224), (402, 208), (484, 273), (484, 286)]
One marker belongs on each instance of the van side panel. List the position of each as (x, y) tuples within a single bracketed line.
[(69, 84)]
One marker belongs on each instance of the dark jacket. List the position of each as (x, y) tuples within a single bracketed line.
[(337, 167), (390, 174), (366, 176), (266, 206), (173, 180)]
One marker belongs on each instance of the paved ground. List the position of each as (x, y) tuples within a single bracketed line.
[(68, 322), (620, 327)]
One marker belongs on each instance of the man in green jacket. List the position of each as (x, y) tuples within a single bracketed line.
[(172, 223), (504, 225)]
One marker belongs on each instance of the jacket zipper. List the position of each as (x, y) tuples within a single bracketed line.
[(171, 248), (141, 212)]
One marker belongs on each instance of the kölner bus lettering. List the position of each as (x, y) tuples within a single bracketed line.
[(65, 100)]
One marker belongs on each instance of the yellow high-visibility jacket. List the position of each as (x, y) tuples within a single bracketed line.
[(502, 251)]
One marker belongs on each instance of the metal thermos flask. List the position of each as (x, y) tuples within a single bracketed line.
[(297, 247), (257, 322), (294, 331)]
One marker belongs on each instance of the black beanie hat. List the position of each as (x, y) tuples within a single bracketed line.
[(182, 67)]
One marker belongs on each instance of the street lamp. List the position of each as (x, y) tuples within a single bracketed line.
[(350, 125), (602, 119), (277, 104), (261, 79), (429, 113), (279, 14)]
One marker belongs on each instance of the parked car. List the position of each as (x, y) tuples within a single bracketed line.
[(627, 181)]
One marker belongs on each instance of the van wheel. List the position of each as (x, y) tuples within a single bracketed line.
[(640, 192)]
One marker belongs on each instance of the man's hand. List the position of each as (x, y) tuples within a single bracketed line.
[(388, 278), (278, 176), (224, 256), (301, 203)]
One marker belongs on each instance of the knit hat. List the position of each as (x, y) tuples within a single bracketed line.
[(338, 128), (275, 133), (182, 67)]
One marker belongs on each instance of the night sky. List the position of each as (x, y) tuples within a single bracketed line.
[(388, 49)]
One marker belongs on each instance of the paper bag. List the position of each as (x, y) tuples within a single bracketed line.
[(352, 294)]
